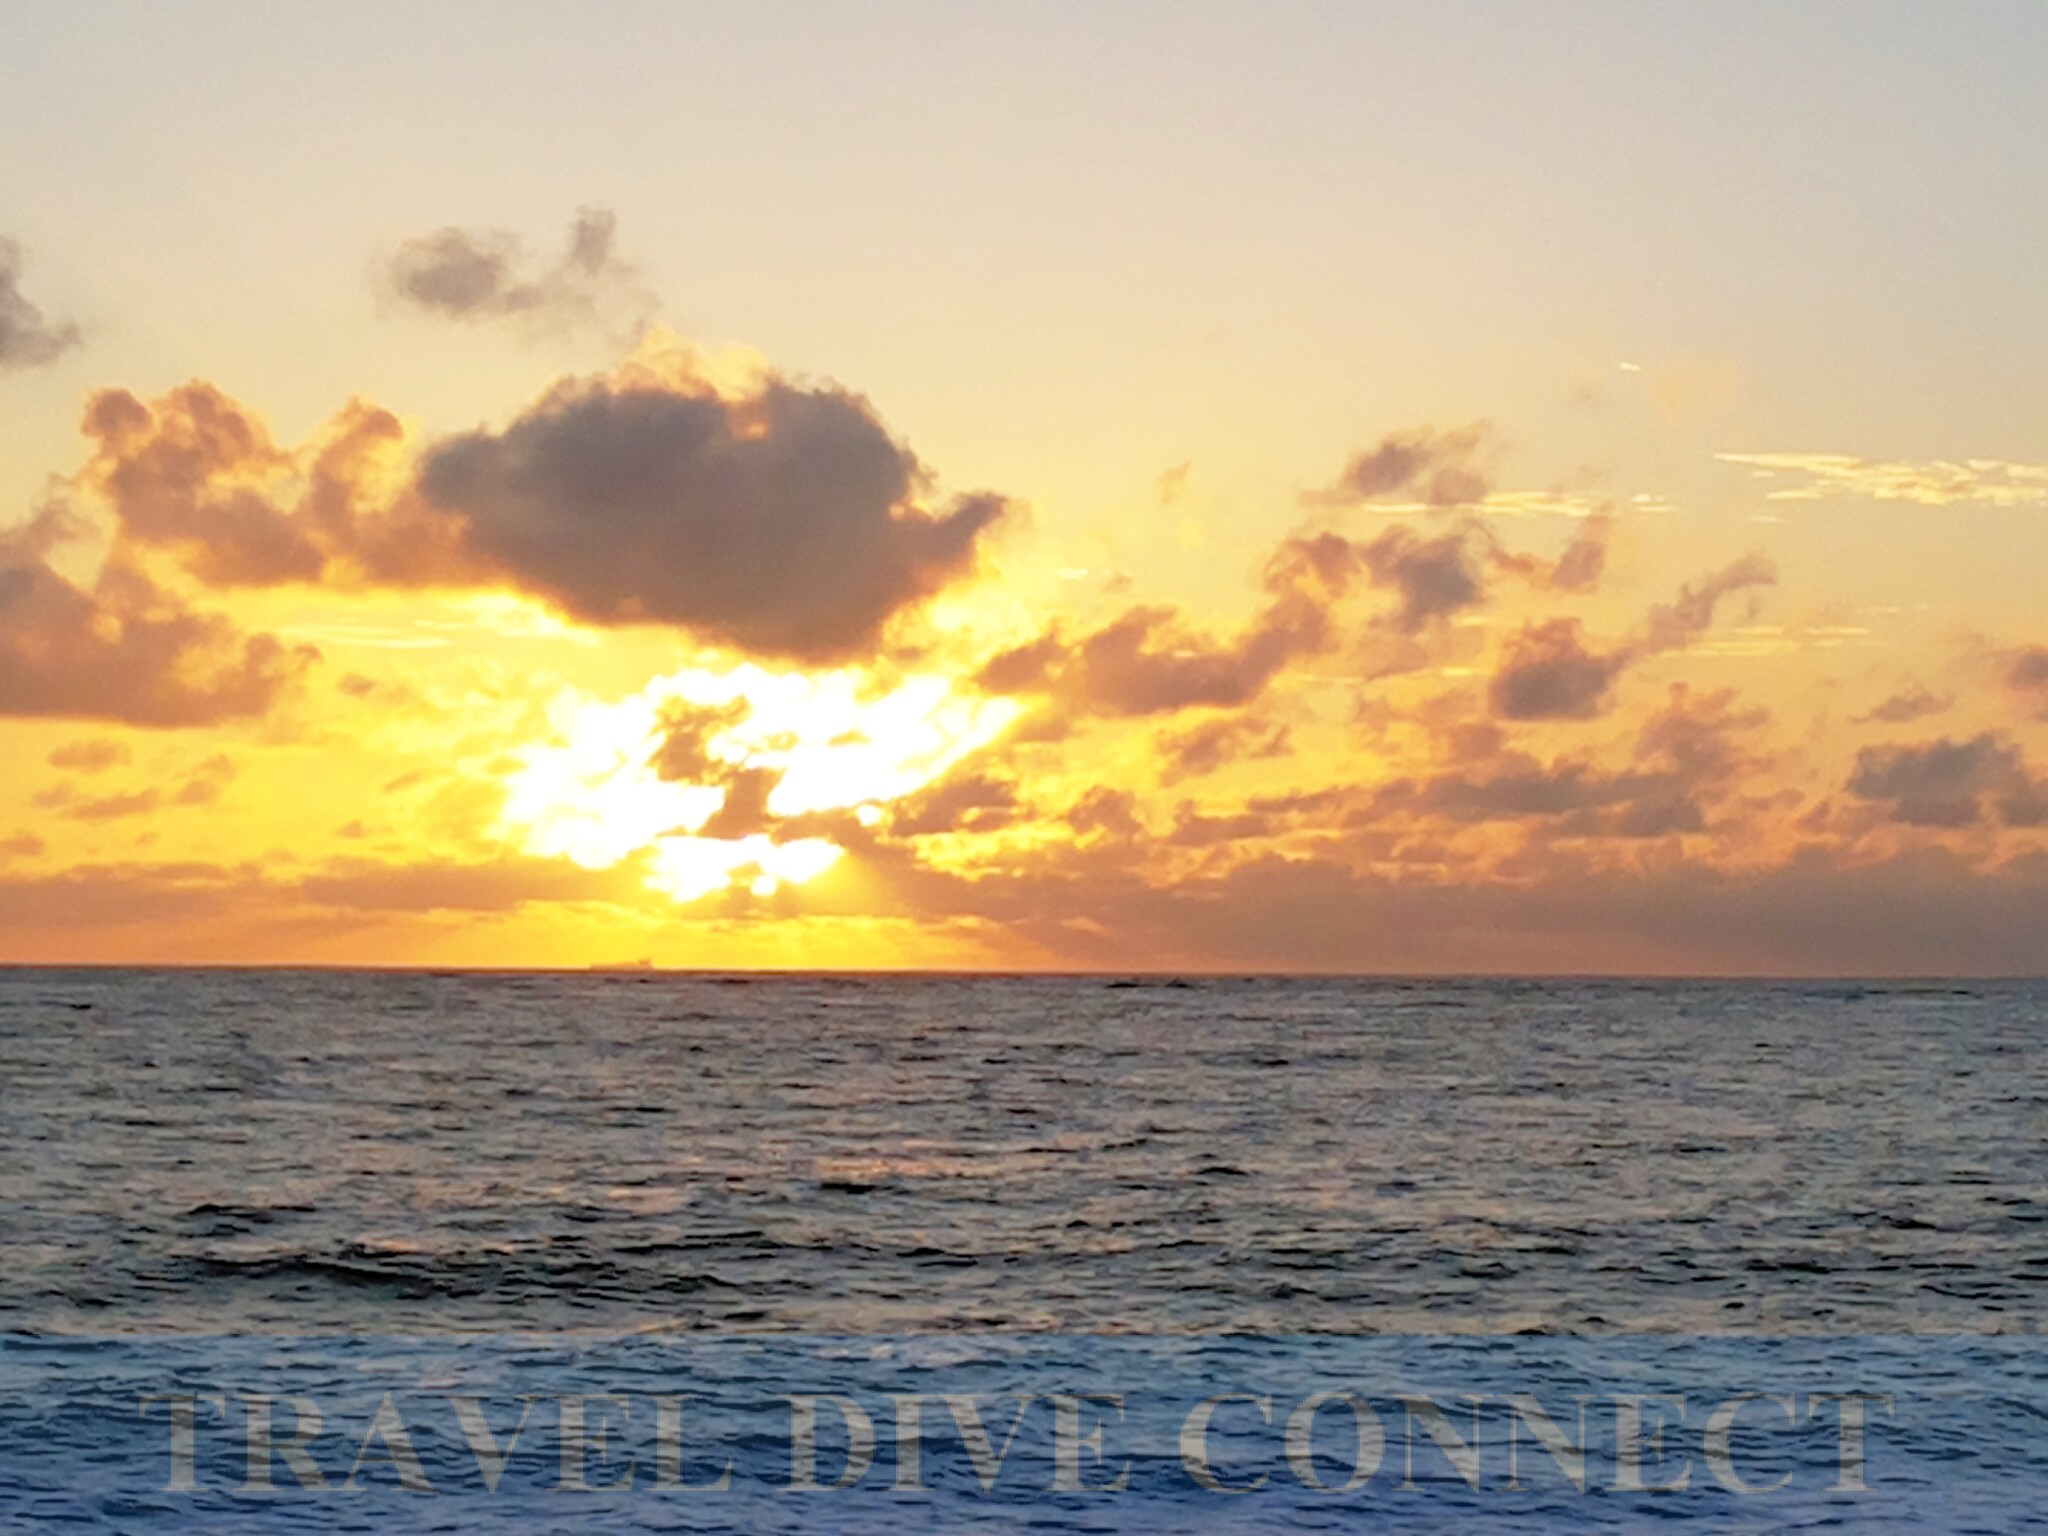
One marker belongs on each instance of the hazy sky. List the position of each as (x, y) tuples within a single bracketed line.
[(1423, 487)]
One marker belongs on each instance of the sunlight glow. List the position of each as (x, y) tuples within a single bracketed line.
[(593, 793)]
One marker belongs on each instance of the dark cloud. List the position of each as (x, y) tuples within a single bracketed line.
[(486, 274), (1584, 559), (784, 522), (1440, 469), (1434, 577), (1149, 661), (1927, 912), (204, 784), (684, 753), (127, 651), (1549, 674), (1106, 813), (1688, 759), (198, 475), (1904, 707), (744, 811), (1207, 746), (199, 786), (1534, 790), (27, 340), (1702, 737), (1947, 783), (1023, 668), (1689, 615), (2027, 675), (1145, 663), (976, 802), (91, 756), (63, 801)]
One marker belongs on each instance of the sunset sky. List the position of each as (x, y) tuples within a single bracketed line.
[(1375, 487)]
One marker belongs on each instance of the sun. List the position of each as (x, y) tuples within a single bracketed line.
[(608, 784)]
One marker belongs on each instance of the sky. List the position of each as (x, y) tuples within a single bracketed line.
[(1423, 488)]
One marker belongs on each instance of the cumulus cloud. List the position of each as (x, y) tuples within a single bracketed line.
[(778, 518), (1949, 783), (1584, 559), (1146, 662), (683, 755), (1150, 661), (27, 340), (1910, 703), (1691, 613), (95, 755), (1434, 577), (487, 274), (1210, 744), (785, 521), (972, 802), (200, 476), (200, 785), (1435, 468), (1688, 756), (127, 651), (2026, 674), (1548, 672)]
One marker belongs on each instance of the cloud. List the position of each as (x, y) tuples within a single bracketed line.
[(744, 811), (1110, 814), (200, 786), (1699, 737), (116, 807), (784, 521), (1434, 577), (775, 517), (198, 475), (127, 651), (204, 784), (684, 754), (1910, 703), (1947, 783), (27, 340), (1674, 624), (1549, 674), (1148, 661), (2026, 674), (1584, 560), (91, 756), (486, 274), (976, 802), (1934, 482), (1207, 746), (1687, 756), (1438, 469)]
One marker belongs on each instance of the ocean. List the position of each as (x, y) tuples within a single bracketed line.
[(248, 1150), (194, 1160)]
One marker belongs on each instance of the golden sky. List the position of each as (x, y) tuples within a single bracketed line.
[(1181, 490)]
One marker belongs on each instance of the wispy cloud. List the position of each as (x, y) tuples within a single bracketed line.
[(1932, 482), (27, 340), (488, 274)]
